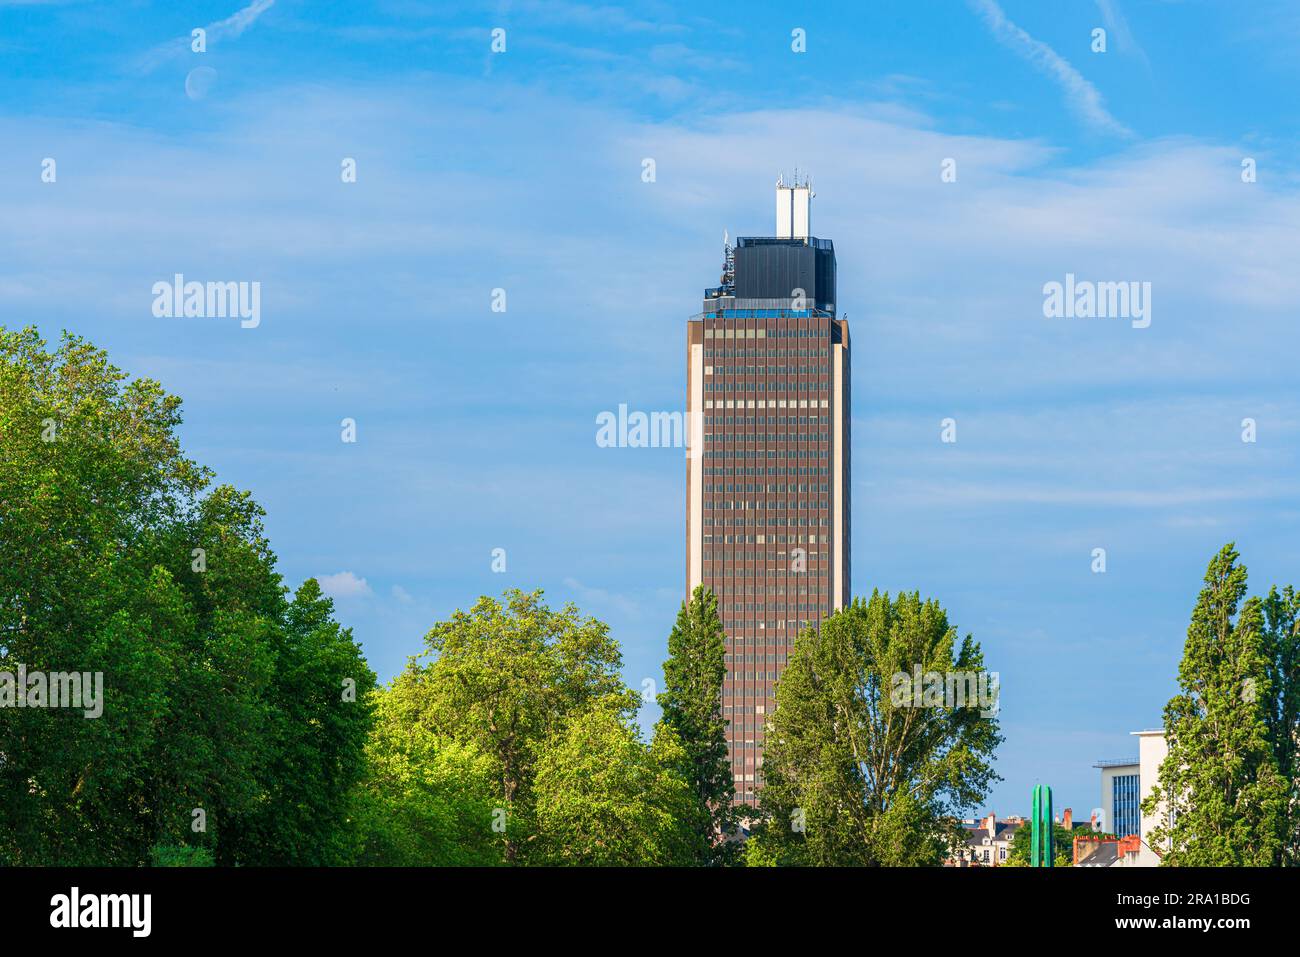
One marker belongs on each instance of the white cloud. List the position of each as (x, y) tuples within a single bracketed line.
[(1081, 95), (942, 282), (401, 594), (1118, 30), (238, 22), (227, 29), (600, 599), (344, 585)]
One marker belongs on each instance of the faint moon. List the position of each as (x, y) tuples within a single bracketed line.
[(199, 82)]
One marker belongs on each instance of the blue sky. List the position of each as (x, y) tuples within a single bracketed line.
[(522, 171)]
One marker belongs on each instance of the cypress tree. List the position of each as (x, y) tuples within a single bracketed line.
[(692, 708)]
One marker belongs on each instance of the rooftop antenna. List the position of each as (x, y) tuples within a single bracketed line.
[(794, 208)]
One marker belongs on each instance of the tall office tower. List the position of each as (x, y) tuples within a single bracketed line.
[(767, 477)]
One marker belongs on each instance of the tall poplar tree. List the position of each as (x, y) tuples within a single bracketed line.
[(692, 708), (1220, 799), (1282, 649)]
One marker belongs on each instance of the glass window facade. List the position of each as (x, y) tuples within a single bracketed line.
[(1126, 795)]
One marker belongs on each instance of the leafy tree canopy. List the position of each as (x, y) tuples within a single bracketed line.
[(856, 773), (224, 723)]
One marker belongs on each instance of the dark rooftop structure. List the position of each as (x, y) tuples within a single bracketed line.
[(792, 271)]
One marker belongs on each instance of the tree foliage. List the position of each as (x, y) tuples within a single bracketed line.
[(1222, 794), (1281, 695), (506, 678), (224, 724), (606, 799), (853, 776), (692, 709), (425, 800)]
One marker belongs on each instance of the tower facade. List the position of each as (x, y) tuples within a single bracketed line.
[(767, 510)]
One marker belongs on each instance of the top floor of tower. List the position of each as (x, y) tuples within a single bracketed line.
[(792, 270)]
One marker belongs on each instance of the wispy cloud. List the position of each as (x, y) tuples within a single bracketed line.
[(601, 598), (1117, 29), (344, 585), (605, 18), (228, 29), (1082, 96)]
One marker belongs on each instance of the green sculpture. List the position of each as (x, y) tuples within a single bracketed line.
[(1040, 854)]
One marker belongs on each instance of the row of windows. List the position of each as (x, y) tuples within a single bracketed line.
[(735, 581), (729, 453), (757, 540), (737, 629), (763, 435), (767, 403), (731, 689), (777, 607), (777, 590), (753, 675), (722, 576), (722, 579), (776, 488), (764, 521), (762, 386), (720, 471), (762, 332), (760, 353), (743, 505), (799, 586), (781, 520), (768, 420), (721, 369), (765, 533), (726, 558), (772, 597)]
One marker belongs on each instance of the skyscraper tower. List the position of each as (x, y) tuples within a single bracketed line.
[(767, 477)]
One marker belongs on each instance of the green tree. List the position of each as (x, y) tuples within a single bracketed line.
[(856, 770), (182, 855), (1282, 708), (692, 708), (118, 558), (606, 799), (317, 736), (425, 800), (1220, 798), (505, 678)]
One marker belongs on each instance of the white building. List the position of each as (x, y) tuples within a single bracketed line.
[(1125, 784)]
